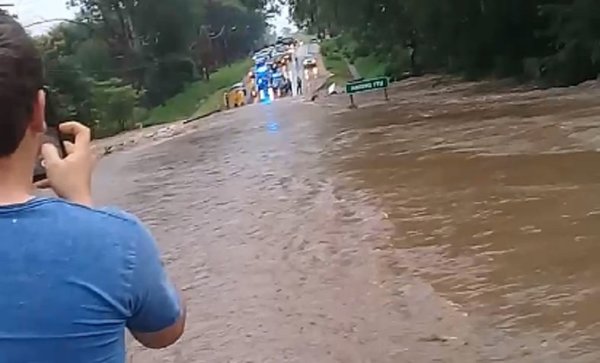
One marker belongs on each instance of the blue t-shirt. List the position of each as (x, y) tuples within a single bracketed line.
[(72, 279)]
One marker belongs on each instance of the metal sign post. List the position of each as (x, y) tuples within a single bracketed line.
[(352, 104)]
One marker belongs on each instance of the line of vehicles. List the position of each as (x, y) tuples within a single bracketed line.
[(271, 75)]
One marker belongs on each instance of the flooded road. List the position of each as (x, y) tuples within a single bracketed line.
[(449, 225)]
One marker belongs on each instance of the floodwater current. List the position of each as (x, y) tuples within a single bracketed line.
[(450, 226)]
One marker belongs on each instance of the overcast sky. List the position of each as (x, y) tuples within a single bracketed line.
[(31, 11)]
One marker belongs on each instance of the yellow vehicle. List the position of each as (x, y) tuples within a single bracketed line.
[(236, 96)]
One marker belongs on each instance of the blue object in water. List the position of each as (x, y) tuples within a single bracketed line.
[(273, 127)]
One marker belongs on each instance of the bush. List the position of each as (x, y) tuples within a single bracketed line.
[(114, 103), (339, 42), (334, 56), (362, 50), (348, 53), (328, 47), (100, 131), (506, 67), (532, 68), (140, 114), (398, 63), (371, 66), (571, 65)]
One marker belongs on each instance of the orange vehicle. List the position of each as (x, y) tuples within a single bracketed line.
[(236, 96)]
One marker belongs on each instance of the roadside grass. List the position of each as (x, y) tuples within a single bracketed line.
[(211, 104), (337, 50), (335, 63), (370, 67), (199, 98)]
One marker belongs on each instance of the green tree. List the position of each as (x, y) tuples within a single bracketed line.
[(474, 37), (116, 49), (114, 104)]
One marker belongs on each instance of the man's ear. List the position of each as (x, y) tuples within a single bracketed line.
[(38, 116)]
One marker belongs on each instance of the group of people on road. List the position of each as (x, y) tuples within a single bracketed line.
[(73, 275)]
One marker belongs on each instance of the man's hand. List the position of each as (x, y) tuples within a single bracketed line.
[(71, 177)]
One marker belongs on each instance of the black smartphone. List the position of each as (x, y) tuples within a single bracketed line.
[(52, 136)]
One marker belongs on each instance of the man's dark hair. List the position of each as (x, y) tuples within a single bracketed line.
[(21, 76)]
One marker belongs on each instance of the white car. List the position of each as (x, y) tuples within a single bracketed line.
[(309, 63)]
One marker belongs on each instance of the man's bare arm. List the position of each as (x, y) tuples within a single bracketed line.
[(166, 337), (158, 311)]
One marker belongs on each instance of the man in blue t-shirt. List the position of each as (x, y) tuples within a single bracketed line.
[(73, 277)]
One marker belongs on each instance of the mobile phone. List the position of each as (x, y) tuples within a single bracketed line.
[(52, 136)]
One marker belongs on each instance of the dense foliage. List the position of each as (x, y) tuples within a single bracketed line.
[(555, 40), (121, 57)]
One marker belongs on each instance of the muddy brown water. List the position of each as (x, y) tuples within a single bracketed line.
[(446, 229)]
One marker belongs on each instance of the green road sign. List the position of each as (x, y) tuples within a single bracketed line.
[(367, 85)]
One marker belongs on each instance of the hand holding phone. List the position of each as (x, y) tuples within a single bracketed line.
[(65, 166), (54, 137), (70, 176)]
